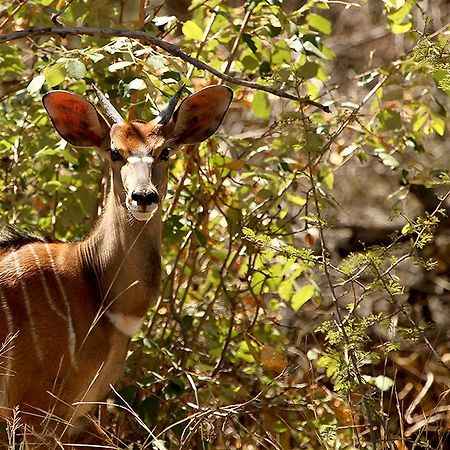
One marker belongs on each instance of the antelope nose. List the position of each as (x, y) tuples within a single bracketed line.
[(143, 198)]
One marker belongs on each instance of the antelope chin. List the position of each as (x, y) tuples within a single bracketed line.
[(147, 214)]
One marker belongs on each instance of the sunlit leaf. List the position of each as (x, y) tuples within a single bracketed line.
[(119, 65), (301, 296), (137, 84), (319, 23), (192, 31), (261, 105), (54, 75), (35, 84)]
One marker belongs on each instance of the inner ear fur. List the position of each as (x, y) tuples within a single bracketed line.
[(76, 120), (200, 114)]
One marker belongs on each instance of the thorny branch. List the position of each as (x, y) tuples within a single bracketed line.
[(149, 39)]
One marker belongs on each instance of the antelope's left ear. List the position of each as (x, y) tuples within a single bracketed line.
[(200, 114)]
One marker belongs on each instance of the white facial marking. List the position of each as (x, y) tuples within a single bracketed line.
[(133, 159), (138, 159), (126, 324)]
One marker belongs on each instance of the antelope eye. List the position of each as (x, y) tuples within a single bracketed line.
[(165, 153), (115, 155)]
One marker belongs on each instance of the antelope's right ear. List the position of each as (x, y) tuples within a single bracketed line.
[(200, 114), (76, 120)]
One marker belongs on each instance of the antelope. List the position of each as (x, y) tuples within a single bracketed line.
[(68, 310)]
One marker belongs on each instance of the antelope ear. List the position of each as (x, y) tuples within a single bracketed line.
[(76, 120), (200, 114)]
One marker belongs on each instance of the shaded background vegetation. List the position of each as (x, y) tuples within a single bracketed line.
[(305, 292)]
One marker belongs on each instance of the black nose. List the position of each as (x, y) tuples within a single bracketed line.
[(143, 198)]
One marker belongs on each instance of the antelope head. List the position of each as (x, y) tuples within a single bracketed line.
[(138, 151)]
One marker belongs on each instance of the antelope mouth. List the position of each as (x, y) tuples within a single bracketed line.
[(142, 212)]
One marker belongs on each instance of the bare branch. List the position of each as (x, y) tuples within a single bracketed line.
[(146, 38)]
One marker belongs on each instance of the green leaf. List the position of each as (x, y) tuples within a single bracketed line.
[(257, 282), (244, 351), (401, 28), (76, 69), (302, 295), (308, 70), (285, 289), (261, 105), (388, 160), (250, 42), (310, 47), (438, 124), (296, 199), (391, 120), (399, 16), (325, 176), (68, 156), (158, 62), (201, 238), (319, 23), (54, 75), (250, 62), (192, 31), (149, 408)]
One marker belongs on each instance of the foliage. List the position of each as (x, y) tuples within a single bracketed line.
[(265, 336)]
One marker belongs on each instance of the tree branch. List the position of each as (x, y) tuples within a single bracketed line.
[(146, 38)]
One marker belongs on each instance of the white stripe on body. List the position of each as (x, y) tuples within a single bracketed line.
[(71, 331), (26, 297), (48, 295)]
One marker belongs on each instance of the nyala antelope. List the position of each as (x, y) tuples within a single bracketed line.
[(68, 310)]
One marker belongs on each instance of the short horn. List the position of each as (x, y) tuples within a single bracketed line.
[(111, 113), (166, 114)]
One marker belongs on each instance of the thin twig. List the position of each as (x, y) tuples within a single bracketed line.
[(204, 39), (237, 40), (149, 39)]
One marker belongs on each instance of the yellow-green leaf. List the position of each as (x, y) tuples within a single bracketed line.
[(192, 31), (438, 124), (261, 105), (302, 295), (54, 75), (296, 199), (401, 28), (320, 23)]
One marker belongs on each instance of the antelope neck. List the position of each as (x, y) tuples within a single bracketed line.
[(124, 257)]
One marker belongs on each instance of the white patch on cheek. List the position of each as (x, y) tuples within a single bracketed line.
[(126, 324)]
